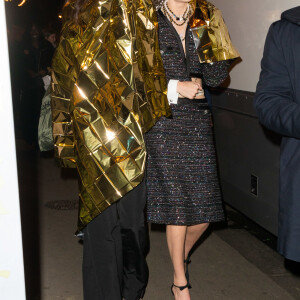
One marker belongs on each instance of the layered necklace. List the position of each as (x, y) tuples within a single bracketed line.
[(173, 18)]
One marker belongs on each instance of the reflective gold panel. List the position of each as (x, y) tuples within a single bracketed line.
[(210, 34), (108, 89)]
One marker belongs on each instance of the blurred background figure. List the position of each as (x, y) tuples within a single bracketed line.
[(50, 35), (38, 53), (32, 31)]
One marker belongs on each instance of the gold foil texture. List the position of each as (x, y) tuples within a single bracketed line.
[(108, 88), (210, 34)]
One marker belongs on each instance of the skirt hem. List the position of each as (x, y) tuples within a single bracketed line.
[(184, 223)]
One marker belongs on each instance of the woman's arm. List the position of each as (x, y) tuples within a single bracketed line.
[(215, 73)]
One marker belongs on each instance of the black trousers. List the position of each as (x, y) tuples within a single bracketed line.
[(114, 249)]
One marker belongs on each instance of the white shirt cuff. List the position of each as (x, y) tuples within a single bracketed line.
[(172, 91)]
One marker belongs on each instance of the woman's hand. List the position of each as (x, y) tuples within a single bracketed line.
[(188, 89)]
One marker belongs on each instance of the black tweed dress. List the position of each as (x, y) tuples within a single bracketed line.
[(182, 180)]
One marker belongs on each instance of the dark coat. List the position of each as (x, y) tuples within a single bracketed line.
[(277, 102)]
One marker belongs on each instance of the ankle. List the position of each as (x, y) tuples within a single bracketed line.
[(179, 280), (181, 291)]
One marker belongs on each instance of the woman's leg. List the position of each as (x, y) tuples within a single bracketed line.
[(193, 233), (176, 236)]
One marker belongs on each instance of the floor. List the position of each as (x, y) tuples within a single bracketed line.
[(230, 262)]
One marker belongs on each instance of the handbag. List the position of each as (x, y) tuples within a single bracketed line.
[(45, 135)]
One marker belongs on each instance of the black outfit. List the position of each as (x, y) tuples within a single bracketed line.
[(182, 179), (115, 246), (277, 102)]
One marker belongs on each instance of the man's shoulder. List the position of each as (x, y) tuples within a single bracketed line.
[(291, 15), (290, 20), (283, 28)]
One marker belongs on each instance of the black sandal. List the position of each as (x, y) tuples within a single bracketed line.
[(180, 287)]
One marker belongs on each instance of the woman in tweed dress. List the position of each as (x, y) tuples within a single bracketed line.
[(182, 180)]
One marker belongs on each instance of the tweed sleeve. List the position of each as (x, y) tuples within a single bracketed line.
[(214, 74)]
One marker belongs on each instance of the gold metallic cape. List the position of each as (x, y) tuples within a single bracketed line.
[(108, 88), (210, 34)]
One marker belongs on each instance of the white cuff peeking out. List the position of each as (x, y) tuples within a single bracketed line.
[(172, 91)]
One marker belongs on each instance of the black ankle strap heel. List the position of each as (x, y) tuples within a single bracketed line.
[(180, 287)]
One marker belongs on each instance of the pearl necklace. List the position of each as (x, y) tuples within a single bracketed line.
[(171, 15), (180, 18)]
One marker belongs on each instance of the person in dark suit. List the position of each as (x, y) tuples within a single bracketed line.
[(277, 103)]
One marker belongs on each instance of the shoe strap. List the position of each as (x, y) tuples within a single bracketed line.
[(187, 261), (183, 287)]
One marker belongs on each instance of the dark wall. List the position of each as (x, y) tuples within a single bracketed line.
[(248, 158)]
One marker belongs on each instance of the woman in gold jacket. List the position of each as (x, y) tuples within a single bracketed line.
[(108, 88)]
